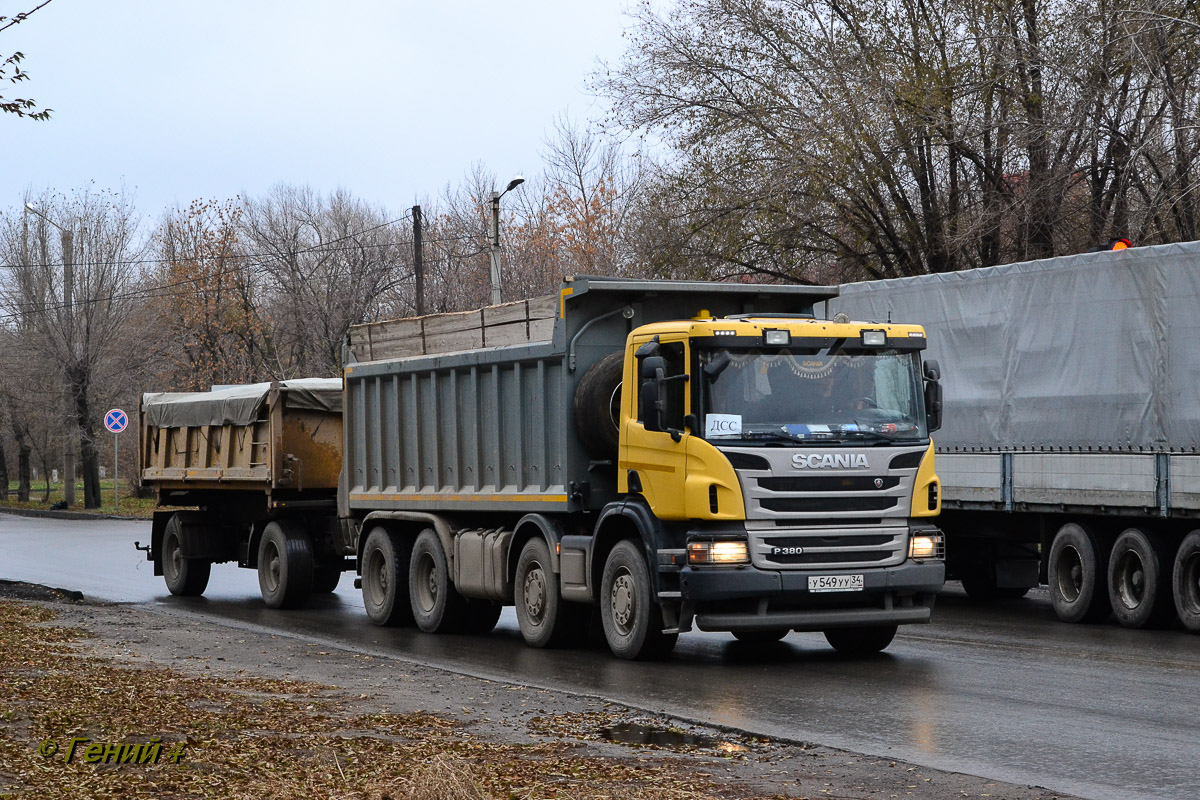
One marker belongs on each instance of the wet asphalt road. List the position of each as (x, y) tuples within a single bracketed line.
[(1006, 692)]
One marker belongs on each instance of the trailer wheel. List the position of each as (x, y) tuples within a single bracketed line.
[(860, 641), (385, 562), (285, 565), (1137, 583), (326, 578), (629, 611), (186, 577), (543, 616), (1077, 572), (598, 406), (1185, 580), (761, 637), (437, 607), (481, 616)]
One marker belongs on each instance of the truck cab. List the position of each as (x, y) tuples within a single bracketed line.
[(790, 464)]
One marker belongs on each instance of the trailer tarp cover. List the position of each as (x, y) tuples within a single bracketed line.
[(1097, 351), (238, 405)]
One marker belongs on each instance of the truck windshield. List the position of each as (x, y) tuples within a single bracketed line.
[(790, 395)]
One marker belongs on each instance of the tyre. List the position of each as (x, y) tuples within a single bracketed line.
[(761, 637), (186, 577), (326, 578), (385, 562), (437, 607), (543, 616), (1138, 586), (1077, 573), (285, 565), (480, 616), (629, 611), (598, 406), (1185, 582), (980, 586), (860, 641)]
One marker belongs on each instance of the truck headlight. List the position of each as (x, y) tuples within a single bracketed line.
[(927, 546), (777, 337), (874, 338), (726, 552)]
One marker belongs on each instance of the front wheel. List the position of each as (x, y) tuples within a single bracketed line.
[(542, 614), (860, 641), (186, 577), (632, 618), (285, 565)]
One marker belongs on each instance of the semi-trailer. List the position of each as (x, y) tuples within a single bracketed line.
[(655, 454), (1070, 454)]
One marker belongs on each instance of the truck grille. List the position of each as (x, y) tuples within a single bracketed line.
[(820, 549)]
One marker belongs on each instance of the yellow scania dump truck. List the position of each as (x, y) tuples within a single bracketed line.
[(657, 454)]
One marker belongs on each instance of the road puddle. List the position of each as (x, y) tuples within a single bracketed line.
[(633, 733)]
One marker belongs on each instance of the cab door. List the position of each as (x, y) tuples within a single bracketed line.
[(656, 460)]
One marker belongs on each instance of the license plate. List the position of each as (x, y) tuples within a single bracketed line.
[(835, 583)]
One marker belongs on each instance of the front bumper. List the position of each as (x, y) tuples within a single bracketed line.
[(748, 598)]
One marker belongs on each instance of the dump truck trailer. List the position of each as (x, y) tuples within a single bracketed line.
[(641, 456), (1071, 449), (255, 469)]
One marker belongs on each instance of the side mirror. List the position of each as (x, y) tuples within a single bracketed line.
[(714, 368), (932, 371), (933, 404), (651, 395), (653, 367)]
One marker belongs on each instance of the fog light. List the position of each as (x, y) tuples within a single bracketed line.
[(927, 546), (777, 337), (874, 338), (718, 553)]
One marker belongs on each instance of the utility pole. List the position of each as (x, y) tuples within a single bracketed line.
[(418, 260), (494, 235)]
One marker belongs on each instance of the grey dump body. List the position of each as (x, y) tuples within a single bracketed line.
[(488, 426), (1069, 382)]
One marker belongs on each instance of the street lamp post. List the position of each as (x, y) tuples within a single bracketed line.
[(68, 249), (495, 236)]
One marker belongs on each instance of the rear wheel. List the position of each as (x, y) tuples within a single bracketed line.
[(761, 637), (1185, 580), (186, 577), (437, 607), (480, 616), (542, 614), (1138, 586), (633, 623), (1077, 572), (385, 562), (285, 565), (860, 641)]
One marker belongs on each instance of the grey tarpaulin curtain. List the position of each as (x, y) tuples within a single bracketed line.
[(238, 405), (1084, 352)]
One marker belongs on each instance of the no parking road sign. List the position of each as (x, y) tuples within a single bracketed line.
[(116, 420)]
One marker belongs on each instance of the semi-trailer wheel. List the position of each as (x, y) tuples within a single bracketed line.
[(544, 617), (761, 637), (1138, 587), (186, 577), (598, 406), (629, 611), (860, 641), (326, 578), (437, 607), (1077, 573), (385, 564), (1185, 581), (285, 565)]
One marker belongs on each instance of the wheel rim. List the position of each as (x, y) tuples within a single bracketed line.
[(623, 602), (535, 594), (1130, 580), (1189, 592), (426, 584), (377, 579), (1070, 574), (173, 563), (271, 574)]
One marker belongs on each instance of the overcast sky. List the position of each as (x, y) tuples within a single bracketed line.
[(179, 100)]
